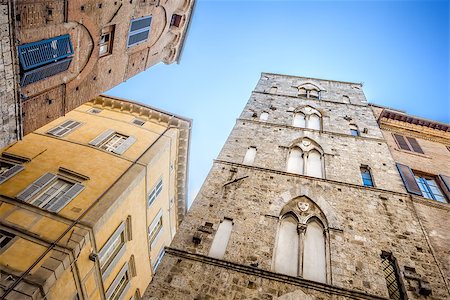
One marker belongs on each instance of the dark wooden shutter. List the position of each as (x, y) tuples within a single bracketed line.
[(99, 139), (11, 172), (415, 145), (46, 71), (125, 145), (57, 204), (446, 180), (408, 179), (39, 53), (401, 142), (36, 186)]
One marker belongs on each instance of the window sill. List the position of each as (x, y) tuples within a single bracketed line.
[(413, 153), (430, 202)]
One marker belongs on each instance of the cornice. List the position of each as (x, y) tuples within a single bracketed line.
[(297, 281), (310, 78)]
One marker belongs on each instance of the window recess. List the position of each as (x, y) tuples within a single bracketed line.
[(8, 170)]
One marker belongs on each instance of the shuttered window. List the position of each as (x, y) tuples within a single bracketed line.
[(64, 128), (40, 53), (158, 260), (155, 192), (446, 180), (139, 30), (112, 141), (120, 284), (112, 250), (408, 143), (46, 71), (8, 170), (408, 179), (5, 238), (50, 192), (155, 229)]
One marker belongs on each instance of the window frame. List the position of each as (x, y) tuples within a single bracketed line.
[(106, 31), (115, 284), (7, 241), (106, 136), (156, 190), (61, 127), (138, 31), (158, 259), (424, 185), (14, 169), (388, 256), (369, 172), (155, 229), (117, 253), (407, 141)]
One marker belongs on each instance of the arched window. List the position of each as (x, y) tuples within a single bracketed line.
[(309, 90), (302, 92), (295, 161), (286, 255), (314, 122), (299, 120), (305, 158), (354, 130), (300, 247), (314, 164), (314, 265), (264, 116), (346, 99), (307, 117), (273, 90)]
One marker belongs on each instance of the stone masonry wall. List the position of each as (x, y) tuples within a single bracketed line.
[(8, 122)]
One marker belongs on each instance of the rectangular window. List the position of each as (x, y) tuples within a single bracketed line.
[(155, 229), (219, 244), (106, 41), (94, 110), (112, 250), (120, 284), (5, 238), (250, 155), (8, 170), (429, 187), (366, 176), (155, 192), (408, 143), (138, 122), (139, 31), (50, 192), (112, 141), (391, 275), (158, 260), (176, 20), (64, 128)]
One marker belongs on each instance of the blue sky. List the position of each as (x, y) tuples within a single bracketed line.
[(398, 49)]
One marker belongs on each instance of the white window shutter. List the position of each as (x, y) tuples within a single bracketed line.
[(57, 204), (36, 186), (125, 145), (11, 172), (99, 139)]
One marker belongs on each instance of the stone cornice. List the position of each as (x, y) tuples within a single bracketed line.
[(311, 130), (297, 281), (361, 187), (310, 78)]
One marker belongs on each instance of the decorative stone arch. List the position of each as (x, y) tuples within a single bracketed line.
[(306, 157), (310, 89), (311, 240), (307, 116)]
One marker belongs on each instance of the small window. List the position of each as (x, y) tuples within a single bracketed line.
[(94, 110), (50, 192), (155, 192), (264, 116), (112, 141), (354, 130), (8, 170), (106, 41), (64, 128), (112, 248), (273, 90), (366, 176), (158, 259), (408, 143), (120, 285), (139, 31), (5, 238), (391, 274), (220, 241), (176, 20), (155, 229), (138, 122), (249, 157)]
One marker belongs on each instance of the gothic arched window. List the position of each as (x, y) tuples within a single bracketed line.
[(300, 248), (306, 158), (307, 117)]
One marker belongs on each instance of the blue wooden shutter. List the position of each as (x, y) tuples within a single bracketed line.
[(408, 179), (57, 204), (125, 145), (36, 186), (11, 172), (39, 53), (139, 30), (46, 71)]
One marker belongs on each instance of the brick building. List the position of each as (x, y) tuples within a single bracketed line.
[(305, 202), (57, 55), (88, 202)]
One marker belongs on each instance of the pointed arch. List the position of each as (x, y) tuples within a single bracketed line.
[(312, 118), (299, 120), (295, 161), (306, 157)]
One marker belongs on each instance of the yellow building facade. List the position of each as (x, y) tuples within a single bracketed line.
[(88, 202)]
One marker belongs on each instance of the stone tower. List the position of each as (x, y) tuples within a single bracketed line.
[(303, 202)]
